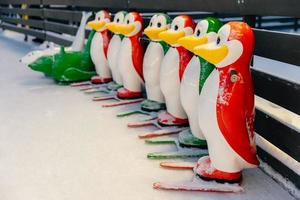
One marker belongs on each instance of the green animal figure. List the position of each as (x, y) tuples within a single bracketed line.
[(73, 66), (43, 64), (67, 66)]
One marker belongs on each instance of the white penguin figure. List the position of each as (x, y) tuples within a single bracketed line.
[(227, 105), (194, 76), (131, 54), (114, 49), (99, 46), (153, 57), (172, 68)]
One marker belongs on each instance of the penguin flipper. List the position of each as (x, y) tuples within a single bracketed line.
[(235, 115), (137, 56)]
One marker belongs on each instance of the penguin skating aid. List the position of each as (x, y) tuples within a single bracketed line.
[(98, 49), (191, 142), (129, 62), (229, 134), (151, 66), (170, 79), (112, 56)]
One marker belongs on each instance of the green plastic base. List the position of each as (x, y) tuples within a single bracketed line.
[(152, 106), (187, 139), (133, 112), (113, 86), (177, 154)]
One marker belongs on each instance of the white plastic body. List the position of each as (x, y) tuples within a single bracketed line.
[(112, 57), (98, 56), (151, 68), (79, 40), (34, 55), (77, 45), (170, 83), (189, 94), (131, 80), (222, 156)]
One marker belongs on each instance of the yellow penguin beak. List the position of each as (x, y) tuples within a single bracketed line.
[(190, 42), (211, 54), (171, 37), (153, 33), (96, 25), (126, 29), (113, 27)]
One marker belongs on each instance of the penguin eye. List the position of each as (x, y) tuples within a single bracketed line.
[(175, 27), (150, 24), (198, 33), (99, 18), (158, 24), (127, 21), (118, 20), (218, 40)]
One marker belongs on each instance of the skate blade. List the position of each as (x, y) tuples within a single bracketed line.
[(90, 90), (189, 153), (178, 165), (95, 90), (103, 98), (122, 102), (142, 123), (199, 185), (132, 112), (79, 84), (160, 141), (163, 132)]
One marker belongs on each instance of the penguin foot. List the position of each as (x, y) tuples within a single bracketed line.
[(207, 172), (166, 119), (152, 106), (100, 80), (123, 93), (113, 86), (187, 139)]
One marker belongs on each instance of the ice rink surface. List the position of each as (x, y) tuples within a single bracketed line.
[(56, 144)]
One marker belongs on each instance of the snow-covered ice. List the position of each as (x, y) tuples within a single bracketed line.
[(56, 144)]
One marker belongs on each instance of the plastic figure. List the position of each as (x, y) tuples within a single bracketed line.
[(154, 54), (42, 60), (172, 68), (194, 77), (130, 62), (227, 113), (99, 47)]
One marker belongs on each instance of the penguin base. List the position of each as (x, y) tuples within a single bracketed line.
[(113, 86), (187, 139), (207, 172), (123, 93), (152, 106), (166, 119), (100, 80)]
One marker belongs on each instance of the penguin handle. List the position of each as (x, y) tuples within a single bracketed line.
[(234, 77)]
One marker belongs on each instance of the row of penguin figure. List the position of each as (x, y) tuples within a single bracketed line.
[(197, 81)]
